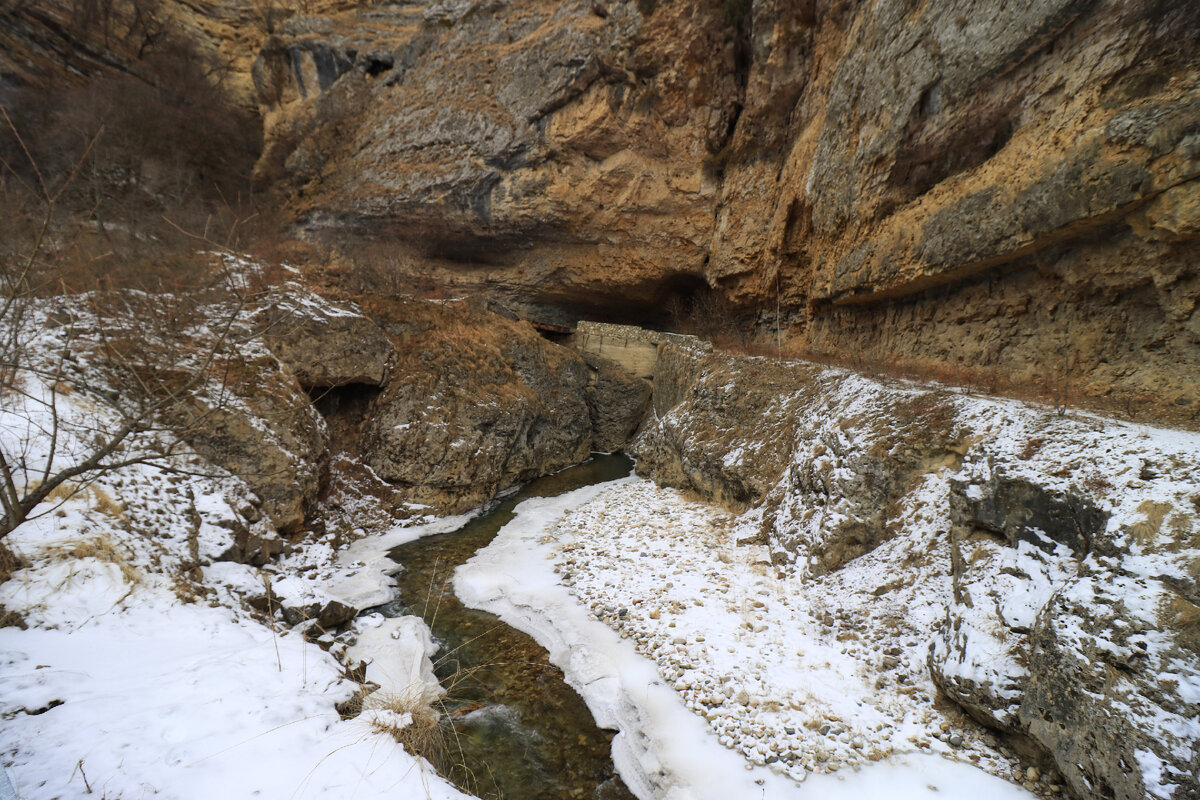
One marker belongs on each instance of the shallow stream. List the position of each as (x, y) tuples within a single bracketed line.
[(516, 730)]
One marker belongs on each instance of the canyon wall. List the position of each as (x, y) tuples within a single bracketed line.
[(1004, 194), (1001, 193)]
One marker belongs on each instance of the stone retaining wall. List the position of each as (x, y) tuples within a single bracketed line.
[(633, 349)]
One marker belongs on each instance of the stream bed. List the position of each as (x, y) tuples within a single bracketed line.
[(515, 729)]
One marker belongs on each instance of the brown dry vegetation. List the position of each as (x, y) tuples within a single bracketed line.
[(142, 154)]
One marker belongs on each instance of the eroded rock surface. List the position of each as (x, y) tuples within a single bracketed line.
[(561, 144), (477, 403), (1002, 192), (1072, 544), (617, 402), (325, 344), (264, 429)]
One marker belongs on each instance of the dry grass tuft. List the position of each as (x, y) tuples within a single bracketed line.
[(11, 619), (187, 589), (101, 548), (10, 562), (414, 725), (101, 500)]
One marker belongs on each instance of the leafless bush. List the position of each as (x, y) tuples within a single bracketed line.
[(172, 144), (142, 355)]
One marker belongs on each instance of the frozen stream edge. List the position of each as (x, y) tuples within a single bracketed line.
[(662, 751)]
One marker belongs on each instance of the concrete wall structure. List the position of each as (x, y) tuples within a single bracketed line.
[(634, 349)]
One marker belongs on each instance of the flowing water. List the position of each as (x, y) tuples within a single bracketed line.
[(515, 730)]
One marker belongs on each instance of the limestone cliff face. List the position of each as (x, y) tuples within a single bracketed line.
[(1007, 190), (1002, 192), (556, 147), (986, 186)]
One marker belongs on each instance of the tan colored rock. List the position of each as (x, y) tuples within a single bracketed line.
[(958, 188), (997, 193), (263, 429), (325, 344), (475, 404), (559, 146)]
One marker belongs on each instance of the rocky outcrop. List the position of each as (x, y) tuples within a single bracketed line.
[(698, 440), (261, 427), (1111, 691), (960, 187), (476, 404), (617, 402), (195, 367), (1070, 544), (823, 472), (325, 344)]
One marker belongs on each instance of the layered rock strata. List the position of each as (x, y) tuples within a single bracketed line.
[(998, 192)]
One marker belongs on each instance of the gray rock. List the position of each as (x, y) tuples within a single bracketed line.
[(263, 428), (1022, 510), (475, 404), (328, 615), (325, 344), (1108, 693), (617, 403)]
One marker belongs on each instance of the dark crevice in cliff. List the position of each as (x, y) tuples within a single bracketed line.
[(344, 409), (935, 149)]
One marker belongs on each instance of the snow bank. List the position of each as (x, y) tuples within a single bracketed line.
[(662, 750)]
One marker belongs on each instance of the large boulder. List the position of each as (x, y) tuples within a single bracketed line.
[(1074, 623), (475, 404), (324, 343)]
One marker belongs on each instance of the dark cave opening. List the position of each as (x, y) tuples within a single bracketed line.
[(344, 409)]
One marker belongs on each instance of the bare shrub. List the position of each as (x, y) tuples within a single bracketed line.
[(162, 138)]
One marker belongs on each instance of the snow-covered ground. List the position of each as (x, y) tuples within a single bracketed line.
[(725, 677), (135, 662), (137, 659), (134, 681)]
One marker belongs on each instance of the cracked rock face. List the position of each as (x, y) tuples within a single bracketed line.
[(1111, 692), (561, 144), (1084, 637), (1008, 190), (325, 345), (476, 404), (269, 435)]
